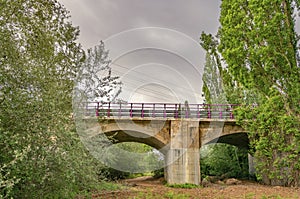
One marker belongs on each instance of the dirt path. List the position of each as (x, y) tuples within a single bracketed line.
[(148, 187)]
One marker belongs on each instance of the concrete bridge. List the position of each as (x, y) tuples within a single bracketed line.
[(176, 130)]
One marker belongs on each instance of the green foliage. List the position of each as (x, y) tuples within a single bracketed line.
[(258, 42), (7, 182), (272, 197), (158, 173), (172, 195), (123, 159), (183, 186), (41, 155), (95, 80), (213, 87), (111, 174), (151, 195), (275, 137), (224, 160)]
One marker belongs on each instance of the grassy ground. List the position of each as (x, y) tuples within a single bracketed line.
[(150, 188)]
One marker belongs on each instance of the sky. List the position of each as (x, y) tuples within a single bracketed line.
[(153, 44)]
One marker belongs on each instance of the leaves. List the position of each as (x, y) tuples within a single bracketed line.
[(95, 81), (224, 160), (258, 44), (39, 61)]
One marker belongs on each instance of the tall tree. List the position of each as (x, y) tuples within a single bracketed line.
[(218, 84), (259, 44), (95, 80), (212, 82), (39, 60)]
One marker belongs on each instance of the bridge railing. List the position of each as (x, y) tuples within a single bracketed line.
[(160, 110)]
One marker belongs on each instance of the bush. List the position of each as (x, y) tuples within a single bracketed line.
[(158, 173), (224, 160), (110, 174)]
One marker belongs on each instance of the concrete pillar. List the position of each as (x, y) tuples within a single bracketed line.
[(183, 157), (251, 165)]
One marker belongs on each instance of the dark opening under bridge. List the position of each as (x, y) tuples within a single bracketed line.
[(176, 130)]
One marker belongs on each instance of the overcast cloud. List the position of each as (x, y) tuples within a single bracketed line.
[(100, 19), (154, 44)]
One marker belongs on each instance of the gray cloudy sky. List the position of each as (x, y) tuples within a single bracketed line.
[(154, 44)]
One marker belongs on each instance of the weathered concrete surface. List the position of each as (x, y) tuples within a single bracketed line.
[(142, 129), (155, 133), (183, 157), (223, 131), (178, 139)]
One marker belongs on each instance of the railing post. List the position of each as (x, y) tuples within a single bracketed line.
[(231, 114), (165, 111), (120, 109), (176, 111), (97, 110), (142, 110), (108, 110), (131, 110), (198, 111), (153, 111), (208, 111), (86, 113), (220, 113)]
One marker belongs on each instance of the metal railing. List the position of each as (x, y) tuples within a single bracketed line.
[(160, 110)]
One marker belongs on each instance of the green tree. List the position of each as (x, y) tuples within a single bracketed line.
[(212, 82), (218, 84), (258, 42), (213, 88), (95, 80), (224, 161), (40, 152), (134, 157)]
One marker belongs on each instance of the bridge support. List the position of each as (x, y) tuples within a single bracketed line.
[(183, 157), (251, 165)]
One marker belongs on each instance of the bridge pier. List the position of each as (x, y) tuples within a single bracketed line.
[(183, 157), (251, 165)]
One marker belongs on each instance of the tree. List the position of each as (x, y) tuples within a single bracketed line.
[(218, 85), (212, 82), (132, 157), (212, 76), (259, 45), (95, 80), (40, 151), (224, 161)]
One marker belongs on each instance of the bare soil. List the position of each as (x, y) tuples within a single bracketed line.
[(148, 187)]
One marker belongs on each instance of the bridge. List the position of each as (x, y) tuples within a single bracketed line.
[(176, 130)]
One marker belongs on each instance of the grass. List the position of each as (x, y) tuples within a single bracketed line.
[(172, 195), (108, 186), (271, 197), (184, 186), (168, 195), (102, 186), (145, 195), (136, 175), (250, 196)]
